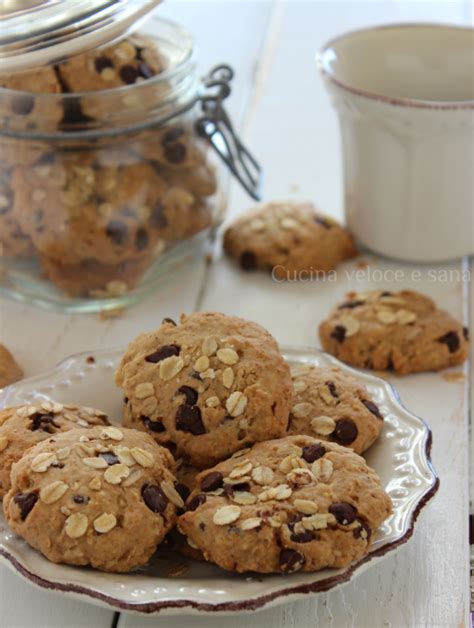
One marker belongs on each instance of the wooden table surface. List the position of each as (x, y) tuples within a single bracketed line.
[(280, 105)]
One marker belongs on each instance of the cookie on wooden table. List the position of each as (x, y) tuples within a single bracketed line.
[(286, 238), (331, 405), (206, 387), (103, 497), (403, 331), (291, 504), (22, 427)]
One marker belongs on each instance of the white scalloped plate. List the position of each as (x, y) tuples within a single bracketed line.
[(401, 457)]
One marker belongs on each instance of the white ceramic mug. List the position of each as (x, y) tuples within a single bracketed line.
[(405, 98)]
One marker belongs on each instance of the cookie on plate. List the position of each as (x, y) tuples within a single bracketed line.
[(403, 331), (291, 504), (286, 238), (333, 406), (103, 497), (207, 387), (22, 427)]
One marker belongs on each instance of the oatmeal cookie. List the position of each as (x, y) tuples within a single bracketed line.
[(333, 406), (207, 387), (30, 104), (285, 505), (103, 497), (130, 61), (24, 426), (401, 331), (286, 238)]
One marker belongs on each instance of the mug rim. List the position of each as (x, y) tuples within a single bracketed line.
[(390, 100)]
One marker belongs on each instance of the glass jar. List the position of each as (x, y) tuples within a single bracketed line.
[(105, 193)]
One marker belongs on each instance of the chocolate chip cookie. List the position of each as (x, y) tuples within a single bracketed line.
[(285, 505), (287, 238), (333, 406), (401, 331), (103, 497), (206, 387), (132, 60), (23, 426), (29, 104)]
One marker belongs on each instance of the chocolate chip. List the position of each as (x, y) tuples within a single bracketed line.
[(372, 407), (465, 333), (248, 261), (451, 339), (153, 426), (350, 305), (141, 239), (23, 104), (196, 501), (175, 153), (73, 114), (323, 222), (345, 431), (80, 499), (90, 359), (43, 422), (212, 481), (291, 560), (190, 394), (313, 452), (358, 531), (169, 320), (339, 333), (162, 353), (332, 389), (158, 215), (154, 498), (125, 400), (172, 135), (129, 74), (386, 293), (239, 486), (25, 502), (110, 458), (117, 231), (188, 419), (145, 70), (302, 537), (182, 490), (101, 63), (344, 513)]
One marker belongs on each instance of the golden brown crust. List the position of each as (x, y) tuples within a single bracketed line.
[(22, 427), (331, 405), (96, 497), (285, 505), (207, 387), (403, 331), (287, 238)]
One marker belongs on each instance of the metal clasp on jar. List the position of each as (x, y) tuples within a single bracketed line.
[(216, 127)]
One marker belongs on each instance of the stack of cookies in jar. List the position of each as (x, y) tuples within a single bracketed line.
[(86, 193)]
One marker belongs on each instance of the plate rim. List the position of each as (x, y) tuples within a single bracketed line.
[(260, 601)]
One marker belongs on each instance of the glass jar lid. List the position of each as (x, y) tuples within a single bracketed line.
[(39, 32)]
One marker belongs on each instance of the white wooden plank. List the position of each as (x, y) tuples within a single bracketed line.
[(24, 606)]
